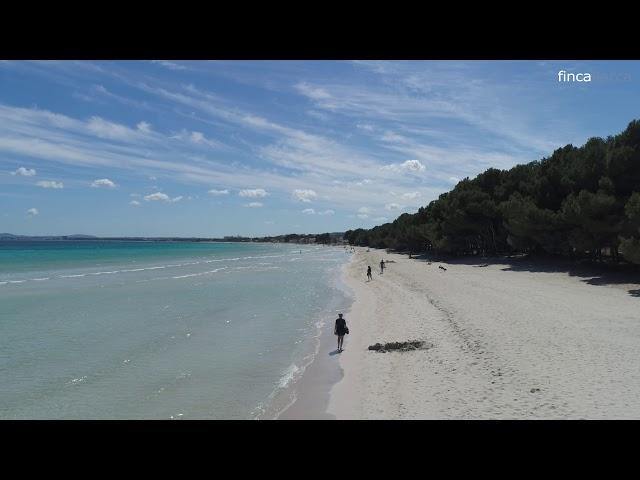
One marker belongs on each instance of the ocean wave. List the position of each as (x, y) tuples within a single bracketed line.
[(76, 381), (199, 273), (142, 269), (289, 376)]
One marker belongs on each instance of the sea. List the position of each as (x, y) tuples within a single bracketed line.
[(94, 329)]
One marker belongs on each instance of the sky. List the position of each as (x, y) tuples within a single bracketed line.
[(216, 148)]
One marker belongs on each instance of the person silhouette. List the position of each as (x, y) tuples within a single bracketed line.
[(369, 276), (340, 329)]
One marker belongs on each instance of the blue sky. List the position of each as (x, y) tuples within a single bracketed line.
[(268, 147)]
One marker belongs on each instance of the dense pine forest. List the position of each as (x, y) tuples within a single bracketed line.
[(579, 202)]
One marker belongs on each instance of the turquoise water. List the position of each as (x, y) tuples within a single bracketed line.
[(159, 330)]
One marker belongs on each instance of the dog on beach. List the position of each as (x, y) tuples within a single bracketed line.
[(441, 267)]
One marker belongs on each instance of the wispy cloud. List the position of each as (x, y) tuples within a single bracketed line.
[(254, 205), (411, 195), (169, 65), (304, 195), (253, 193), (412, 166), (32, 212), (450, 123), (103, 183), (196, 138), (50, 184), (144, 127)]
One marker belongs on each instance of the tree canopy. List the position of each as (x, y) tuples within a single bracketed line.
[(580, 201)]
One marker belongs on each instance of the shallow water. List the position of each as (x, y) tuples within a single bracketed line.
[(94, 329)]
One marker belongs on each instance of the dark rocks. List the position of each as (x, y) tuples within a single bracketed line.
[(398, 346), (534, 390)]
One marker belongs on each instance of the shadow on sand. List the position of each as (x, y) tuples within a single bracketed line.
[(590, 273)]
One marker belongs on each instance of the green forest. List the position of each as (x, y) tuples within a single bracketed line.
[(579, 202)]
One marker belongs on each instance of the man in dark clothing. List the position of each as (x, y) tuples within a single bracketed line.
[(340, 329), (369, 276)]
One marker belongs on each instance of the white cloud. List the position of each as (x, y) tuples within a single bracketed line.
[(413, 166), (411, 195), (363, 210), (194, 137), (365, 126), (393, 138), (157, 197), (32, 212), (304, 195), (162, 197), (312, 92), (197, 137), (318, 115), (392, 206), (363, 215), (216, 193), (454, 179), (253, 193), (254, 205), (311, 211), (50, 184), (144, 127), (106, 129), (169, 65), (135, 203), (24, 172), (103, 183)]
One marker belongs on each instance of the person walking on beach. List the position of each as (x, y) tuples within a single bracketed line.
[(381, 267), (369, 276), (340, 329)]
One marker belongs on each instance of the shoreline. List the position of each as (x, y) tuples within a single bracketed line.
[(307, 397)]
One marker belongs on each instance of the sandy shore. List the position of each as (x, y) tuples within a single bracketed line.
[(504, 340)]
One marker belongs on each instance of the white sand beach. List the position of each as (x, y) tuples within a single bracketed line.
[(505, 340)]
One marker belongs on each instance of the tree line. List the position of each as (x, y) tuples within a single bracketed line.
[(579, 202)]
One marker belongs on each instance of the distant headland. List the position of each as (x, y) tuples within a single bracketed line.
[(322, 238)]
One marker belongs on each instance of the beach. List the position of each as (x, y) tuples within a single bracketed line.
[(502, 339)]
